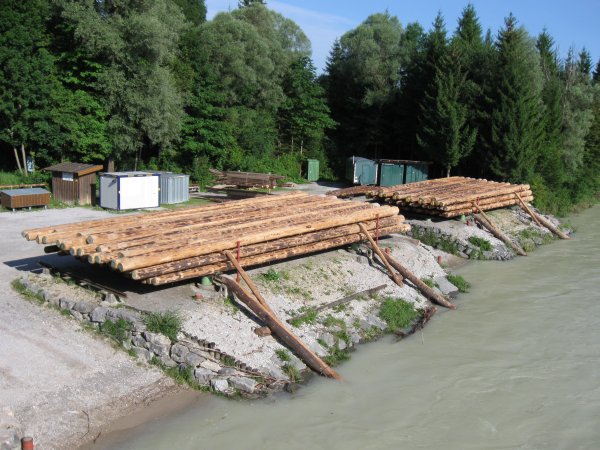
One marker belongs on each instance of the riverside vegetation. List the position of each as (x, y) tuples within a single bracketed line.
[(155, 85)]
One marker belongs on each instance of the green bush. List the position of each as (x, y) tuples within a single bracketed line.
[(482, 243), (458, 281), (11, 178), (168, 323), (397, 313)]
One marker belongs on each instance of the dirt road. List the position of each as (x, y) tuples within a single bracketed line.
[(62, 383)]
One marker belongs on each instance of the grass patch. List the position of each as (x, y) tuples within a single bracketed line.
[(428, 237), (228, 361), (458, 281), (309, 316), (482, 243), (292, 372), (372, 334), (117, 330), (397, 313), (336, 356), (168, 323), (274, 275), (180, 374), (331, 321), (283, 355), (429, 282), (20, 288)]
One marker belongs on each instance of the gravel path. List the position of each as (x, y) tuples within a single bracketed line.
[(62, 383)]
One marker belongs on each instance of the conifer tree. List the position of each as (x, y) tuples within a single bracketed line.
[(549, 165), (444, 133), (516, 119)]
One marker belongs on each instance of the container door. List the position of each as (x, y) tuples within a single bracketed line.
[(368, 173), (313, 170), (391, 174)]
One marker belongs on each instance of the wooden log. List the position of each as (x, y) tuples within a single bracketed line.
[(483, 201), (541, 219), (428, 292), (421, 188), (488, 207), (126, 264), (341, 301), (142, 235), (134, 248), (266, 247), (392, 273), (262, 258), (33, 233), (350, 192), (280, 330), (248, 280), (190, 224), (476, 195), (526, 208), (497, 233), (258, 225)]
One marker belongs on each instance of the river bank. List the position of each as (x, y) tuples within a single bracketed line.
[(324, 277), (514, 367)]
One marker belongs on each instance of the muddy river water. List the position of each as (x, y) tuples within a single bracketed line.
[(517, 366)]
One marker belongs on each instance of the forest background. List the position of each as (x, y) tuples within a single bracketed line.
[(156, 86)]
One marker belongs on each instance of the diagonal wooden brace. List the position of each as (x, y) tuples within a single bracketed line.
[(393, 274)]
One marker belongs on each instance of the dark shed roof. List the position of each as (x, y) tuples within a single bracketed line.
[(77, 168)]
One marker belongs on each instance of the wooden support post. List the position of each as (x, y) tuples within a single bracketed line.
[(526, 208), (237, 278), (487, 223), (393, 274), (542, 221), (341, 301), (241, 272), (280, 330), (428, 292)]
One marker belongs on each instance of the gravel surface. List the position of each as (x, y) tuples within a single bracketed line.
[(307, 282), (62, 383)]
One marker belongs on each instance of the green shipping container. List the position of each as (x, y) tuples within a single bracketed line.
[(391, 174), (361, 171), (416, 172), (312, 169)]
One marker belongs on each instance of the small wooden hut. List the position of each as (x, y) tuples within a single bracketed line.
[(74, 182)]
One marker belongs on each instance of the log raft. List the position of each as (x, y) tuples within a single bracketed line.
[(453, 196), (169, 246)]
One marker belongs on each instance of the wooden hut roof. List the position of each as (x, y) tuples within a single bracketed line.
[(77, 168)]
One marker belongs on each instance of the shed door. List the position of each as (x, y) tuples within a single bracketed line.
[(367, 173)]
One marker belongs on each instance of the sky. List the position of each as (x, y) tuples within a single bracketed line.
[(571, 23)]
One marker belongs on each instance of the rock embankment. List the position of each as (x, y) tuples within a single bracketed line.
[(464, 238), (217, 346)]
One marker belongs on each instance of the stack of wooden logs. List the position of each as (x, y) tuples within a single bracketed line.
[(246, 179), (453, 196), (168, 246)]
